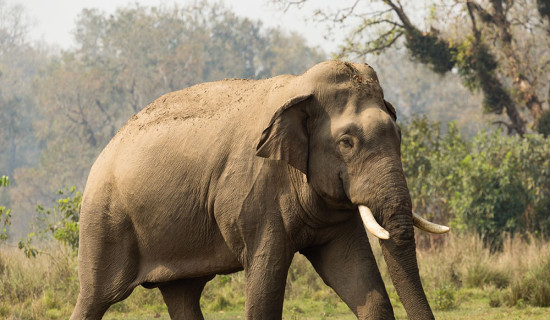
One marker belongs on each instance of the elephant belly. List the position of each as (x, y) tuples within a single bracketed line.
[(184, 252), (189, 260)]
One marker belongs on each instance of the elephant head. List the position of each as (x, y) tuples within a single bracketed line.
[(337, 129)]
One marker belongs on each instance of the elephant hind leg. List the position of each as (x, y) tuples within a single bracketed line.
[(182, 297), (108, 266), (94, 306)]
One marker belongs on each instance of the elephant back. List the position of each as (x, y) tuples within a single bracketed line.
[(206, 103)]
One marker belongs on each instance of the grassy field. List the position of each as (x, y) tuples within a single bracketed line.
[(462, 279)]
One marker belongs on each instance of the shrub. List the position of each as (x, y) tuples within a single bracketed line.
[(444, 298), (534, 287), (495, 299)]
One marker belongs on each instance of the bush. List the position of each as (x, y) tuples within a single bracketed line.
[(492, 185), (444, 298), (430, 163), (495, 299)]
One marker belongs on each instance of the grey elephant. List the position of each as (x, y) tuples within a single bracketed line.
[(242, 174)]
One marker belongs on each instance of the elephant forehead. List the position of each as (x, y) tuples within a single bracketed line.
[(334, 72), (367, 121), (347, 98), (340, 85)]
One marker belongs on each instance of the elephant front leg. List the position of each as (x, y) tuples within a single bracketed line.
[(347, 265), (266, 272)]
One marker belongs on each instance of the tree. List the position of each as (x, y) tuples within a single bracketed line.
[(18, 64), (498, 46)]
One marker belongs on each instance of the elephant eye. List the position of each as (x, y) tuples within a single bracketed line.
[(345, 143)]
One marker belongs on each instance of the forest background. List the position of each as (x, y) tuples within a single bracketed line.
[(470, 81)]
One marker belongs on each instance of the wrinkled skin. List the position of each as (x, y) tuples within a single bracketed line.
[(241, 174)]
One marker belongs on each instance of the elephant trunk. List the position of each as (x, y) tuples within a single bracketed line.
[(387, 195), (400, 256)]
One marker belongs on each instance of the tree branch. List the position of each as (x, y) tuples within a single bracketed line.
[(377, 48), (509, 127), (483, 14), (471, 7), (398, 9)]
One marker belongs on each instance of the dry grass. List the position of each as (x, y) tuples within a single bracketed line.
[(41, 288), (460, 275), (520, 273)]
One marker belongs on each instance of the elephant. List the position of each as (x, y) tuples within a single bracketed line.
[(243, 174)]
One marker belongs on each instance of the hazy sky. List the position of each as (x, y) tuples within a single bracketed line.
[(54, 20)]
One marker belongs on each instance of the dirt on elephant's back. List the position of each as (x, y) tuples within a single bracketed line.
[(208, 101)]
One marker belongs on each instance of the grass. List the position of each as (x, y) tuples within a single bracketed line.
[(462, 279)]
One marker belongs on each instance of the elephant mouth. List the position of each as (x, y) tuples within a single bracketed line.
[(378, 231)]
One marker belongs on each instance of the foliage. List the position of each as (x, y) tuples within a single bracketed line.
[(428, 48), (5, 214), (491, 185), (477, 66), (444, 298), (430, 159), (505, 182), (61, 222)]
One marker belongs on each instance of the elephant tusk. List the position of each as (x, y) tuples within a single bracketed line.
[(428, 226), (371, 224)]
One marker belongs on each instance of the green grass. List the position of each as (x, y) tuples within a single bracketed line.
[(462, 279)]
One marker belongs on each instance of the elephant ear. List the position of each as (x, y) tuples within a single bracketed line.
[(286, 137), (391, 110)]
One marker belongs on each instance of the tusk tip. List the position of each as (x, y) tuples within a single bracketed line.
[(380, 233), (441, 230), (371, 225), (428, 226)]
